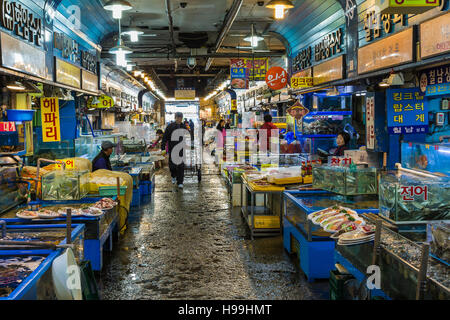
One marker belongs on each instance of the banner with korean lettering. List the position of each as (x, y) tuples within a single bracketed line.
[(435, 81), (51, 129), (407, 111), (256, 69), (239, 78)]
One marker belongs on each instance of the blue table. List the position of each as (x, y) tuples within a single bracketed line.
[(99, 233), (28, 289)]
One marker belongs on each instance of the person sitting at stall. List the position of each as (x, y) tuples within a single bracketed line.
[(268, 126), (101, 161), (342, 142)]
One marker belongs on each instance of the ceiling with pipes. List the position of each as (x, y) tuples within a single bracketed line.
[(175, 30)]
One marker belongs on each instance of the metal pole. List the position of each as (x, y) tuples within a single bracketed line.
[(69, 227), (118, 190), (422, 276), (376, 245)]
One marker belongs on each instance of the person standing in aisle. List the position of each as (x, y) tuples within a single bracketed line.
[(176, 170), (268, 126), (191, 130)]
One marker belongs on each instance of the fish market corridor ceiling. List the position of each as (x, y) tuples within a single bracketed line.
[(177, 30)]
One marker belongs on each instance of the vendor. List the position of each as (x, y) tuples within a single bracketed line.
[(342, 141), (101, 161), (157, 143)]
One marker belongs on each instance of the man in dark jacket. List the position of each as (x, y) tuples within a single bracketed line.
[(176, 170), (101, 161)]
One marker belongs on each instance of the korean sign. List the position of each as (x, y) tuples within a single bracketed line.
[(257, 67), (17, 18), (301, 82), (104, 102), (407, 6), (7, 127), (407, 111), (51, 130), (370, 122), (239, 78), (70, 164), (435, 36), (435, 81), (277, 78), (391, 51)]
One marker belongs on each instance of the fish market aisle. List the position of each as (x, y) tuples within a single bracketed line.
[(190, 244)]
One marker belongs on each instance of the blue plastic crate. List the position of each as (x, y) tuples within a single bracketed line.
[(136, 202)]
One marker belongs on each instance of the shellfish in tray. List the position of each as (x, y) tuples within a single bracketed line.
[(27, 214), (105, 204), (48, 214)]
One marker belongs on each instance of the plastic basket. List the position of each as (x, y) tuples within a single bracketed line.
[(20, 115)]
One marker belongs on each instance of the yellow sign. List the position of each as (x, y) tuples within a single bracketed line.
[(233, 105), (51, 129), (185, 94), (301, 82), (68, 74), (406, 6), (70, 164), (104, 102)]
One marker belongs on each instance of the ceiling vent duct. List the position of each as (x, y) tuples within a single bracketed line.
[(193, 40)]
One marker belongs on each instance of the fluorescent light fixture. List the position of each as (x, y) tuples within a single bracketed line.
[(15, 86), (120, 51), (117, 6)]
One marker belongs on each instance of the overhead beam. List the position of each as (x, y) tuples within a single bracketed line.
[(229, 19), (169, 16), (219, 55)]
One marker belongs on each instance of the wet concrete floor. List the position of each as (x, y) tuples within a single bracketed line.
[(191, 244)]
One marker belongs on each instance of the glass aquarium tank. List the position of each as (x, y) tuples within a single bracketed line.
[(325, 123), (410, 197), (346, 181), (65, 185), (432, 158)]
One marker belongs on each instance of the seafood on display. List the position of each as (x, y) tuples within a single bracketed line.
[(105, 204), (48, 214), (90, 212), (27, 214), (337, 218), (74, 212)]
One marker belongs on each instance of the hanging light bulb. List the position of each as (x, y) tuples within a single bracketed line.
[(280, 6), (117, 6), (253, 37), (121, 51), (134, 34)]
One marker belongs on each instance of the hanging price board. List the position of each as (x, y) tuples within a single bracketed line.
[(277, 78)]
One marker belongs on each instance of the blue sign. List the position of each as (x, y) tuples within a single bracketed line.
[(407, 111), (238, 73), (438, 89), (434, 77)]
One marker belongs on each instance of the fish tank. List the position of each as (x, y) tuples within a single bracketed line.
[(65, 185), (346, 181), (325, 123), (411, 197), (430, 157)]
